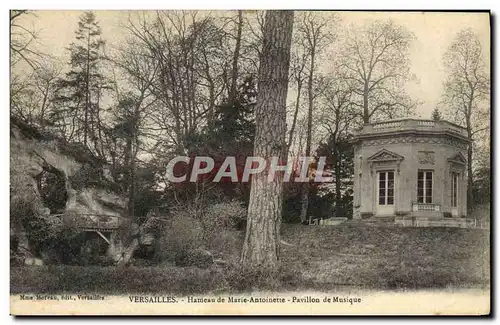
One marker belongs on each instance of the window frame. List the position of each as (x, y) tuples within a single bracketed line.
[(386, 187), (424, 188), (455, 176)]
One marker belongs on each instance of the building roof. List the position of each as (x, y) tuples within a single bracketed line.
[(411, 127)]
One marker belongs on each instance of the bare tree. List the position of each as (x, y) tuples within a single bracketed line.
[(261, 246), (339, 118), (236, 56), (313, 30), (253, 30), (25, 83), (23, 99), (194, 66), (45, 81), (136, 104), (298, 77), (375, 56), (22, 40), (32, 97), (466, 92)]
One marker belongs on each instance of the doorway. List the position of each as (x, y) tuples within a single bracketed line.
[(385, 193)]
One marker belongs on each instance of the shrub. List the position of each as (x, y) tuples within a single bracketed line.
[(227, 245), (179, 236), (91, 254), (195, 257), (201, 226), (220, 216)]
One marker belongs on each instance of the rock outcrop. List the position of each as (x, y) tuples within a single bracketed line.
[(39, 162)]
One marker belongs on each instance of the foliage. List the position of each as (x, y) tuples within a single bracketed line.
[(181, 235), (230, 135), (52, 187), (92, 252), (206, 226), (50, 239), (323, 203), (196, 257), (466, 96), (481, 188), (466, 88), (436, 114), (339, 155), (78, 113), (223, 215)]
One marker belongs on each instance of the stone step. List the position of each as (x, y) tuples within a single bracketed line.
[(383, 220)]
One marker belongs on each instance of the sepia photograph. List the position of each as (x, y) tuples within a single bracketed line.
[(250, 162)]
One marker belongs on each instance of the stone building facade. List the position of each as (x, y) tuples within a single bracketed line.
[(410, 167)]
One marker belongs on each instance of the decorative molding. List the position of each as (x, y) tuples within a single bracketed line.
[(458, 159), (458, 163), (426, 157), (459, 144), (385, 158), (385, 155)]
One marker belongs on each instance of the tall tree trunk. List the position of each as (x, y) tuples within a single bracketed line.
[(295, 113), (99, 126), (87, 93), (127, 160), (366, 112), (132, 149), (131, 189), (305, 186), (262, 239), (44, 104), (337, 159), (470, 180), (236, 55)]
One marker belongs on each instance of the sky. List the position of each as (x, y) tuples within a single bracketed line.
[(433, 31)]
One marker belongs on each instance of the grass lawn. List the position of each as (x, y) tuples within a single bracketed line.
[(321, 258), (388, 257)]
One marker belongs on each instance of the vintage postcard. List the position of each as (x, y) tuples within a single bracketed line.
[(250, 162)]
